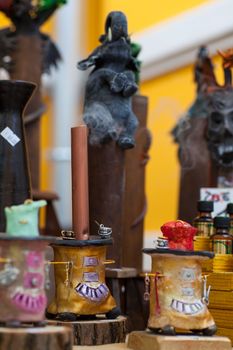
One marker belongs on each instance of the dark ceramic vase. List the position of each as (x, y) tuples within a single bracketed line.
[(14, 171)]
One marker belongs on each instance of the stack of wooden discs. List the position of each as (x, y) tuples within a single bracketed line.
[(223, 263), (204, 243)]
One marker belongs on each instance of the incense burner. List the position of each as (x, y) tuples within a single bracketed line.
[(22, 220), (80, 288), (23, 279), (177, 296)]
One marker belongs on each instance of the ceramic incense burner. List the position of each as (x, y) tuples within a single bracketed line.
[(22, 279), (178, 293), (80, 287)]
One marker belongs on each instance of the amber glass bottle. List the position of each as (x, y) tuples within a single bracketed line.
[(230, 213), (221, 239), (204, 222)]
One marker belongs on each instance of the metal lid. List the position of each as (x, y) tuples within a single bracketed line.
[(206, 206), (221, 222)]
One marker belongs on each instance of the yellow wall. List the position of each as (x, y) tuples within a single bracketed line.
[(169, 97), (141, 14), (145, 13)]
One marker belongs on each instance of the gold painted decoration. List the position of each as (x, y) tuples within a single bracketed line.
[(80, 289)]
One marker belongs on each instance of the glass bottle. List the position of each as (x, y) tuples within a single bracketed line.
[(221, 239), (230, 213), (204, 222)]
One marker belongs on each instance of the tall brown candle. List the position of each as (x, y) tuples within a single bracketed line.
[(79, 166)]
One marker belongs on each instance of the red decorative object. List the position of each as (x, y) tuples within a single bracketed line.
[(180, 234)]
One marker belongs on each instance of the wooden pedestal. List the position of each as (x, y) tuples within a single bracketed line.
[(149, 341), (116, 191), (135, 204), (128, 290), (97, 332), (46, 338)]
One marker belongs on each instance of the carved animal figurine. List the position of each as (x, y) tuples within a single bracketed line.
[(108, 111)]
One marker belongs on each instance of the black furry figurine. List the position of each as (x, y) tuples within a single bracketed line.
[(108, 110)]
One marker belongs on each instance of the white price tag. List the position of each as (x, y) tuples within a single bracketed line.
[(10, 136)]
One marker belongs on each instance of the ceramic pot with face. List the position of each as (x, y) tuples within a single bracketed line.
[(177, 296), (22, 279), (80, 287), (14, 172)]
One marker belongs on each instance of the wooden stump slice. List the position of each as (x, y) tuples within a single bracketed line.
[(43, 338), (97, 332), (147, 340)]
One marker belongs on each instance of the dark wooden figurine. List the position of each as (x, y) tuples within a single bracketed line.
[(26, 53), (205, 136)]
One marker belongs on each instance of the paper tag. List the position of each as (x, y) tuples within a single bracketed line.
[(10, 136)]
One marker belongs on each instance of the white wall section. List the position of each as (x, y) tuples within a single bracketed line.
[(173, 43), (68, 88)]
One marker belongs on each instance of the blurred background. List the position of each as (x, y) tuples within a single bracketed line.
[(170, 33)]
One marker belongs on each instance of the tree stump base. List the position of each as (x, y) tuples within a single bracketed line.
[(46, 338), (97, 332), (147, 340)]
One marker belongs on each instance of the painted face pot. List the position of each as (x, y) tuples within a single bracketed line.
[(178, 294), (22, 279), (79, 269)]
